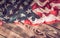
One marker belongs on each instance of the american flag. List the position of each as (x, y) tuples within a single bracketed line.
[(31, 12), (47, 11)]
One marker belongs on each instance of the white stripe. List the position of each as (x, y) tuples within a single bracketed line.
[(44, 18), (58, 17), (41, 20), (50, 18), (37, 10)]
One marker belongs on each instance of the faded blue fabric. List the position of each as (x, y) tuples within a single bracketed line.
[(14, 5)]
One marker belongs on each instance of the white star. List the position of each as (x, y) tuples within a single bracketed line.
[(16, 20), (1, 13), (28, 11), (11, 12), (22, 15), (25, 3), (21, 7), (6, 17), (15, 6)]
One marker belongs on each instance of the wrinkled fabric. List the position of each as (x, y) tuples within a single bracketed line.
[(30, 12)]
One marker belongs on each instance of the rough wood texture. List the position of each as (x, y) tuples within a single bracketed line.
[(8, 30)]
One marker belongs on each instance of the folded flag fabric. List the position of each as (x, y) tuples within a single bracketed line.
[(47, 11), (32, 12)]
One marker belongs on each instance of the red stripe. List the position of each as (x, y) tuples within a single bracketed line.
[(50, 22), (53, 12), (57, 21), (35, 24), (27, 22), (1, 23), (34, 6), (39, 14)]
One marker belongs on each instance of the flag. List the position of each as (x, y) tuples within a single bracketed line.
[(46, 12), (30, 12)]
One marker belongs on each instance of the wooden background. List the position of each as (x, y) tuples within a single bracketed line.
[(11, 30)]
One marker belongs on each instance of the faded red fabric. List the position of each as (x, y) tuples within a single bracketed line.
[(1, 23), (46, 13)]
